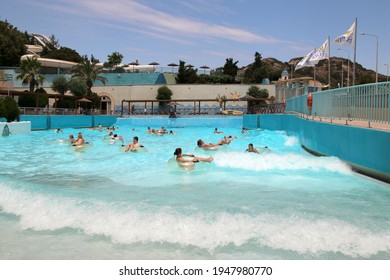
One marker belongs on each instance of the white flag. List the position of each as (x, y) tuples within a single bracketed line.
[(305, 61), (347, 39), (321, 53)]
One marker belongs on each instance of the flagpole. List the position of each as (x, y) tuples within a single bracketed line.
[(329, 61), (354, 53), (314, 70)]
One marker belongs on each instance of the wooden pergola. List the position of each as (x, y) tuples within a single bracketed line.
[(194, 101), (13, 93)]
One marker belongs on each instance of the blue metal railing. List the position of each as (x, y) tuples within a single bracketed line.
[(369, 102)]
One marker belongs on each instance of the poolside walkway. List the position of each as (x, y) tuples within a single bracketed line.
[(359, 123)]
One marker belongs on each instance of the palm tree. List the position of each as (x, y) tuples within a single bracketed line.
[(30, 73), (88, 72)]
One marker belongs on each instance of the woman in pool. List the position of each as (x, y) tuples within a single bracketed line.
[(209, 146), (71, 139), (180, 159)]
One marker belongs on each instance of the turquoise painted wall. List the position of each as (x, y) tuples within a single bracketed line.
[(179, 122), (49, 122), (362, 147)]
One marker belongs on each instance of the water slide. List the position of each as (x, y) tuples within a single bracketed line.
[(49, 62), (35, 50)]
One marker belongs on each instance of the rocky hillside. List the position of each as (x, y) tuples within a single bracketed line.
[(363, 75)]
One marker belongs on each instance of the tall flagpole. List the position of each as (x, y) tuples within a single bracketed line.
[(314, 77), (329, 61), (354, 53), (314, 73)]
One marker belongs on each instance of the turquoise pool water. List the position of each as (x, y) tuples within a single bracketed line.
[(101, 203)]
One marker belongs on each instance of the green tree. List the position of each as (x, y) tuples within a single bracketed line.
[(256, 92), (29, 73), (43, 98), (255, 72), (9, 109), (186, 75), (12, 45), (163, 93), (230, 68), (88, 72), (77, 87), (114, 59), (63, 53), (60, 85)]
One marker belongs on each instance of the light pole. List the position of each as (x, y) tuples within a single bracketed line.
[(292, 64), (387, 72), (348, 65), (377, 46)]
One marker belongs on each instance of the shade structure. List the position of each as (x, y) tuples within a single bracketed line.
[(204, 67), (85, 100), (247, 98), (190, 66), (134, 63), (172, 65), (154, 64)]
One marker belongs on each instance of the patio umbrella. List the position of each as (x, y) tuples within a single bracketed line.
[(83, 100), (172, 65), (154, 64), (247, 98), (204, 67), (134, 63), (189, 65)]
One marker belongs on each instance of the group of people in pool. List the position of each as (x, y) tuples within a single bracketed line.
[(135, 145), (161, 131)]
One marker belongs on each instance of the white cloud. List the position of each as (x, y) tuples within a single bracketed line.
[(145, 19)]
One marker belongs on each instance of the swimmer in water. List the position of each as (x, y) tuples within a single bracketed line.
[(202, 144), (71, 139), (251, 149), (217, 132), (134, 146), (180, 159), (80, 140), (227, 140)]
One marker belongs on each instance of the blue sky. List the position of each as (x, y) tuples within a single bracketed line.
[(205, 32)]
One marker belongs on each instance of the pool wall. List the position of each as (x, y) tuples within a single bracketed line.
[(15, 128), (157, 122), (49, 122), (367, 150)]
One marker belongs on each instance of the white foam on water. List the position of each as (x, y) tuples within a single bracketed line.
[(291, 141), (273, 161), (125, 224)]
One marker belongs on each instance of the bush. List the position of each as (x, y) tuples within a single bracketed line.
[(9, 109), (29, 100), (65, 103), (163, 93)]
